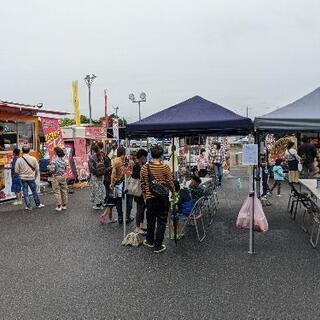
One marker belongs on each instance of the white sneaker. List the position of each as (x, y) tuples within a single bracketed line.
[(98, 208), (28, 209), (279, 195), (40, 206), (64, 208), (58, 209), (16, 203)]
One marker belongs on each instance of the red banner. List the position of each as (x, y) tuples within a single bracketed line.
[(52, 134), (95, 133), (53, 137)]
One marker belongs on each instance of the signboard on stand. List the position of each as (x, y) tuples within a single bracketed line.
[(250, 155), (95, 133)]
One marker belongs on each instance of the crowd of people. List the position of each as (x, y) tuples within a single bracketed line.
[(299, 162)]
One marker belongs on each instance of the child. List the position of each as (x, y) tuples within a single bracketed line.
[(278, 176), (195, 189), (265, 177), (181, 206)]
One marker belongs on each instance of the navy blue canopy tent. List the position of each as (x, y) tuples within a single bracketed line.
[(195, 116)]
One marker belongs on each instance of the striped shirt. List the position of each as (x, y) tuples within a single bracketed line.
[(161, 172)]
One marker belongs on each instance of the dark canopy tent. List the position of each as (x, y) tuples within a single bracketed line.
[(195, 116), (302, 115)]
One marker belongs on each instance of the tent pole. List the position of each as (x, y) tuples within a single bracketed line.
[(124, 212), (252, 196), (173, 156)]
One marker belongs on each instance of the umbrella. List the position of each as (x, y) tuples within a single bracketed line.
[(175, 220)]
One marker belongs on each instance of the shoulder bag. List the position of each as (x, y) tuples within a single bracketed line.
[(134, 187), (156, 188), (32, 168)]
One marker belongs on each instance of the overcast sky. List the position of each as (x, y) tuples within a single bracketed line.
[(257, 53)]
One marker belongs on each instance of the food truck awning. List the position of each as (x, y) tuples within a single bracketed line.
[(25, 109)]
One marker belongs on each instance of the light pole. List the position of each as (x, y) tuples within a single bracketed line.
[(143, 98), (88, 80)]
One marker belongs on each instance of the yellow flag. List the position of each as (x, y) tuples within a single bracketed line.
[(76, 102)]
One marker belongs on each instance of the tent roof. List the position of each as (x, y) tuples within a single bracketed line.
[(301, 115), (191, 117)]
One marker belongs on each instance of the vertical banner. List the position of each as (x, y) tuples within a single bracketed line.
[(52, 134), (115, 126), (106, 108), (76, 102)]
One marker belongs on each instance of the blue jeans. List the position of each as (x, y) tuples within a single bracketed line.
[(25, 191), (218, 169)]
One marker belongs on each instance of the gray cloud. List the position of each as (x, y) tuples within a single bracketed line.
[(260, 54)]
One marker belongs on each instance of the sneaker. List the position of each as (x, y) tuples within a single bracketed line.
[(147, 244), (28, 209), (16, 203), (160, 249), (64, 207), (58, 209), (40, 206), (279, 195)]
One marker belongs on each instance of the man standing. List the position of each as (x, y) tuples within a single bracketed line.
[(28, 169), (307, 152)]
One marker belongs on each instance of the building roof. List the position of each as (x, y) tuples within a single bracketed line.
[(27, 109)]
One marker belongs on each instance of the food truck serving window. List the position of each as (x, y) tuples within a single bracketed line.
[(16, 134)]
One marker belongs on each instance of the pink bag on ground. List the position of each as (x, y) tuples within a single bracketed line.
[(244, 216)]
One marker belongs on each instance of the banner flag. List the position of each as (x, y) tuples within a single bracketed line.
[(76, 102)]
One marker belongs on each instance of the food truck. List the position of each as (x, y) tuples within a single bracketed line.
[(80, 139), (20, 124)]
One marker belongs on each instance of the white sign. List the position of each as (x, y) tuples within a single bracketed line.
[(250, 154)]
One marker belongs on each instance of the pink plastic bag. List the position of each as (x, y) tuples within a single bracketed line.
[(244, 216)]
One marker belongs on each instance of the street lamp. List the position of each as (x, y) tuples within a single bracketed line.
[(88, 80), (143, 98)]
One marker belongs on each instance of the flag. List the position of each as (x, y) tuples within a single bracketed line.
[(76, 102)]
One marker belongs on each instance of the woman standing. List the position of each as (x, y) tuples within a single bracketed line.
[(136, 170), (293, 159), (16, 181), (58, 168), (97, 172), (157, 173), (202, 164), (218, 160)]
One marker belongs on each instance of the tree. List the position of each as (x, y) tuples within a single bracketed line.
[(64, 122)]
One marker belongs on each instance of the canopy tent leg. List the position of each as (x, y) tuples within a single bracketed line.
[(124, 211)]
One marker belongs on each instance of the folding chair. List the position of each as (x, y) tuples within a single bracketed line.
[(315, 230), (196, 218), (297, 198)]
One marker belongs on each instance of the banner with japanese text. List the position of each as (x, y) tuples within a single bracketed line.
[(52, 134)]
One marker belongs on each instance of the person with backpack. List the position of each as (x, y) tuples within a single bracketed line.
[(58, 168), (28, 169), (97, 171), (156, 182)]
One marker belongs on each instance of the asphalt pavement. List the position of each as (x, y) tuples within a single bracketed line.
[(67, 266)]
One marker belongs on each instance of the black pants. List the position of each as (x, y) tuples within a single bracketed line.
[(141, 207), (277, 183), (129, 202), (265, 186), (157, 212)]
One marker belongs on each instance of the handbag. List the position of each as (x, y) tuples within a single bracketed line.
[(134, 187), (156, 188)]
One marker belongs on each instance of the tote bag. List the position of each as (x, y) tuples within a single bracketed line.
[(134, 187)]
